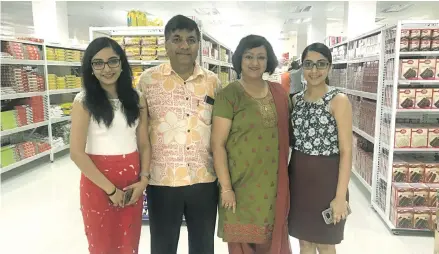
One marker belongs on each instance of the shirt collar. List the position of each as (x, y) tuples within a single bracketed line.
[(167, 70)]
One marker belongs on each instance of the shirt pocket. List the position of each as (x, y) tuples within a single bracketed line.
[(204, 112)]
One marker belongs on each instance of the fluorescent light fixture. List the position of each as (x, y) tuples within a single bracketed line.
[(207, 11), (396, 8), (298, 9)]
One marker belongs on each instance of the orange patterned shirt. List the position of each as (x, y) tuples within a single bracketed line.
[(180, 120)]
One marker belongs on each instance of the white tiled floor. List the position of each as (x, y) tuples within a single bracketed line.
[(40, 214)]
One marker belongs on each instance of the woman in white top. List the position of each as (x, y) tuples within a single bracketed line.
[(110, 145)]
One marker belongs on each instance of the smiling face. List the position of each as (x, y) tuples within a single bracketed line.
[(254, 62), (182, 47), (106, 66), (315, 68)]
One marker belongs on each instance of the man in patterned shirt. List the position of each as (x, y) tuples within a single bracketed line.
[(180, 95)]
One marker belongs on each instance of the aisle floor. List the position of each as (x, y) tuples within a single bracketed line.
[(40, 215)]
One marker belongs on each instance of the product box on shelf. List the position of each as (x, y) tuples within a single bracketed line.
[(406, 98), (425, 45), (437, 68), (433, 195), (402, 194), (403, 135), (421, 218), (427, 69), (416, 171), (415, 34), (404, 45), (419, 137), (424, 97), (402, 217), (414, 45), (409, 69), (400, 170), (433, 137), (431, 173), (433, 218), (435, 45), (420, 194)]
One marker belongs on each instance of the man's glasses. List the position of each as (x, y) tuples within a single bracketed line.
[(320, 65), (100, 65)]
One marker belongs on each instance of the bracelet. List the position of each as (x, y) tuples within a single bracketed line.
[(226, 191), (112, 193)]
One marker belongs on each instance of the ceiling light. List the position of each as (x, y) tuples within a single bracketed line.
[(396, 8), (297, 9), (378, 19), (207, 11)]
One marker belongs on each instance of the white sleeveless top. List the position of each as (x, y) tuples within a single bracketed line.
[(118, 139)]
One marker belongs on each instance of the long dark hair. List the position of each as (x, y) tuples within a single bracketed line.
[(319, 48), (96, 99)]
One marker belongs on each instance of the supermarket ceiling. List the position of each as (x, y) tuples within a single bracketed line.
[(228, 20)]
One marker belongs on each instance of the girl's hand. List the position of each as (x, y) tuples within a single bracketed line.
[(117, 198), (138, 189), (339, 209), (228, 200)]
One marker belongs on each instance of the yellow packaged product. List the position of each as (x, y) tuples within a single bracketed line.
[(118, 39), (161, 40), (132, 50), (149, 51), (149, 40), (161, 52), (149, 58), (132, 40)]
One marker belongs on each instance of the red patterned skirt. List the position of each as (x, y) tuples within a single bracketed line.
[(109, 229)]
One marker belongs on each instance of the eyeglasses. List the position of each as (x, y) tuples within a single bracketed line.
[(100, 65), (178, 41), (320, 65)]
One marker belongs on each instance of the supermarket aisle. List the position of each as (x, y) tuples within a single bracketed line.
[(40, 214)]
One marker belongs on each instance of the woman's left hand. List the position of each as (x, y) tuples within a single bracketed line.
[(339, 209), (138, 189)]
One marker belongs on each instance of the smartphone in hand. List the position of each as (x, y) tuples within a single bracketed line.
[(127, 196), (327, 215)]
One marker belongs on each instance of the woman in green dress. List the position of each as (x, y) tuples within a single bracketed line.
[(250, 144)]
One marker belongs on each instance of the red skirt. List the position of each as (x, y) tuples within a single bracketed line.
[(109, 229)]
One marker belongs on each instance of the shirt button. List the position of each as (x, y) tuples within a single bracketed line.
[(187, 148), (187, 114), (188, 130), (187, 98), (185, 83)]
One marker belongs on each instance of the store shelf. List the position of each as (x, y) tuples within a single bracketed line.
[(63, 63), (60, 148), (24, 128), (21, 62), (363, 134), (372, 96), (418, 110), (65, 91), (416, 150), (72, 47), (420, 53), (21, 41), (417, 82), (362, 181), (147, 62), (340, 62), (389, 117), (364, 59), (21, 95), (24, 162), (60, 119)]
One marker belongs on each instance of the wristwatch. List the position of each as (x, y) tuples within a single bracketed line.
[(147, 175)]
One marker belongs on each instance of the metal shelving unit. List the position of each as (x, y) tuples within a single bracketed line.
[(45, 67), (389, 115), (342, 65)]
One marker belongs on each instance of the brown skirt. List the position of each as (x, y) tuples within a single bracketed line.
[(313, 185)]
